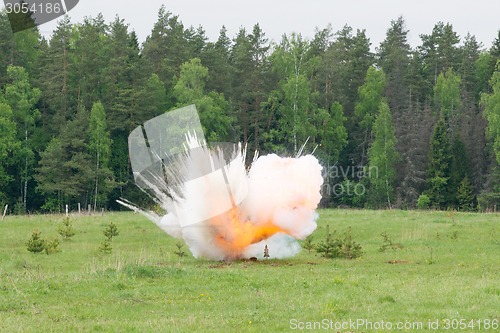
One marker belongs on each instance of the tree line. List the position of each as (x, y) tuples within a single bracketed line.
[(420, 125)]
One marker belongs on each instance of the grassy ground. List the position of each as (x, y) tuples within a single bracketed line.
[(447, 271)]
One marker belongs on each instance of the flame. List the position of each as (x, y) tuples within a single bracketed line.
[(233, 234)]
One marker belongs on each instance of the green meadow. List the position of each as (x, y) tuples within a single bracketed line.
[(443, 275)]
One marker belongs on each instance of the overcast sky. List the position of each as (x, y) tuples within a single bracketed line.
[(479, 17)]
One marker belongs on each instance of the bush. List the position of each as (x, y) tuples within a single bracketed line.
[(423, 202)]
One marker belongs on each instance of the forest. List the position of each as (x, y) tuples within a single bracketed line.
[(394, 126)]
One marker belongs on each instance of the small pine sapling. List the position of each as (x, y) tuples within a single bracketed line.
[(346, 247), (111, 231), (36, 244), (179, 252), (389, 243), (106, 246), (52, 246), (66, 229), (329, 248), (350, 249), (308, 243)]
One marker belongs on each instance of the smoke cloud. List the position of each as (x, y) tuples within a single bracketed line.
[(218, 207)]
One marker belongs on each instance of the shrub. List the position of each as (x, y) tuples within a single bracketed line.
[(423, 202)]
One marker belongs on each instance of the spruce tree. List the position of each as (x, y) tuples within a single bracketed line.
[(438, 173), (465, 195)]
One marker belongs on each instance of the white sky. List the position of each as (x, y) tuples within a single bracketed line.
[(480, 17)]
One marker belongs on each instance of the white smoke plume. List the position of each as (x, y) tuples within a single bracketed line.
[(221, 210)]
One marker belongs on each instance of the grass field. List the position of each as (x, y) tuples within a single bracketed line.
[(448, 273)]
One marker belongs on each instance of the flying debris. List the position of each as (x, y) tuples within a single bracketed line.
[(220, 209)]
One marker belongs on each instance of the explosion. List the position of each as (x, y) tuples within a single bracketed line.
[(220, 209)]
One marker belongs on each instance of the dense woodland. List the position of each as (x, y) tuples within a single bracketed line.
[(401, 127)]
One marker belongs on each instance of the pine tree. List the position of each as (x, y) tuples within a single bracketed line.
[(167, 48), (344, 67), (51, 180), (216, 57), (65, 170), (439, 51), (241, 62), (470, 52), (495, 52), (91, 60), (394, 59), (20, 49), (251, 69), (152, 101), (59, 95)]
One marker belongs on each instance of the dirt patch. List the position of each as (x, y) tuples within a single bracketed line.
[(397, 262)]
